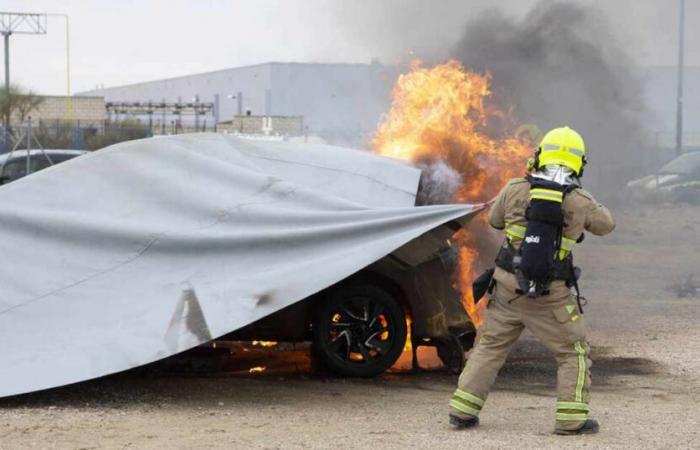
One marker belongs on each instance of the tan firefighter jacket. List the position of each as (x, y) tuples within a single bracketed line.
[(581, 213)]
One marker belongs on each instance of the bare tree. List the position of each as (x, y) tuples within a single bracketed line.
[(17, 104)]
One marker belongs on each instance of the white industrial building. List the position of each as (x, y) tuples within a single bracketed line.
[(342, 102)]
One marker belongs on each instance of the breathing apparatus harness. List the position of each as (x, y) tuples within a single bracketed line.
[(545, 253)]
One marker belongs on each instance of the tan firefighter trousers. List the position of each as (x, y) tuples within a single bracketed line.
[(555, 320)]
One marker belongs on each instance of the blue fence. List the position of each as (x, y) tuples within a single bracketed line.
[(59, 136)]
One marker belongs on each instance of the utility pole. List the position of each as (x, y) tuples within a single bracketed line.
[(679, 98), (6, 36)]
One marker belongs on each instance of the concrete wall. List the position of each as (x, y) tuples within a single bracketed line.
[(87, 111)]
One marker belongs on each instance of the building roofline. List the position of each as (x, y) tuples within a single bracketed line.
[(210, 72), (101, 97)]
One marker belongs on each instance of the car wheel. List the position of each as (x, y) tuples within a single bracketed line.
[(359, 331)]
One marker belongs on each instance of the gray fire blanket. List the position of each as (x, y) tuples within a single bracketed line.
[(148, 248)]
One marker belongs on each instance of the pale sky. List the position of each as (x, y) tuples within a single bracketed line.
[(127, 41)]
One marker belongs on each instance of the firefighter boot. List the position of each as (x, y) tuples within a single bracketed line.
[(590, 426), (460, 421)]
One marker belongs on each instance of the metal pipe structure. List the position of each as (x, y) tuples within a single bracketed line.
[(178, 109), (679, 98)]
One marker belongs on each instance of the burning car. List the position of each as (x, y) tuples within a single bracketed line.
[(152, 247), (359, 325), (677, 181)]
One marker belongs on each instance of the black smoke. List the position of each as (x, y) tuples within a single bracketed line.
[(561, 65)]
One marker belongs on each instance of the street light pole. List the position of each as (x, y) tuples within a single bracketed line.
[(679, 98), (69, 97)]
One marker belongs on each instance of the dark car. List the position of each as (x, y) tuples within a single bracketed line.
[(19, 163), (677, 181), (358, 326)]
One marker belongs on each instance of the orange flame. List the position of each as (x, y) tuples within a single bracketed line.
[(442, 114)]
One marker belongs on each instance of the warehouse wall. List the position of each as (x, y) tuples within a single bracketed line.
[(252, 81), (341, 102)]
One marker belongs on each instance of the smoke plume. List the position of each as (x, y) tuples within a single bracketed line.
[(560, 65), (438, 184)]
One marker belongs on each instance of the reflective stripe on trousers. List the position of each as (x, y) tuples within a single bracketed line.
[(576, 411), (466, 403)]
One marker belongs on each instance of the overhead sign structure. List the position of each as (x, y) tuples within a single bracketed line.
[(18, 23)]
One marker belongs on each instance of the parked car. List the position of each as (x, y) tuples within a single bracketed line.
[(677, 181), (19, 163)]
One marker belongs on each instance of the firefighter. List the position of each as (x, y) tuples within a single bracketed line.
[(535, 283)]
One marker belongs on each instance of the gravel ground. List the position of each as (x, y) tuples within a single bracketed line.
[(645, 340)]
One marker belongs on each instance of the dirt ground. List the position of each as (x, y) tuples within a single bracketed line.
[(646, 347)]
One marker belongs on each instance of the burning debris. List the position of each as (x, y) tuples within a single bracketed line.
[(441, 117), (264, 343), (257, 369)]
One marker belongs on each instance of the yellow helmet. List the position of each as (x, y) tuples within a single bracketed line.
[(562, 146)]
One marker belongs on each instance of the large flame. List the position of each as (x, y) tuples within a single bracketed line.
[(443, 114)]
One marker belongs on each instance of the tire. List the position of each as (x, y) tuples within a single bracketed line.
[(359, 331)]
